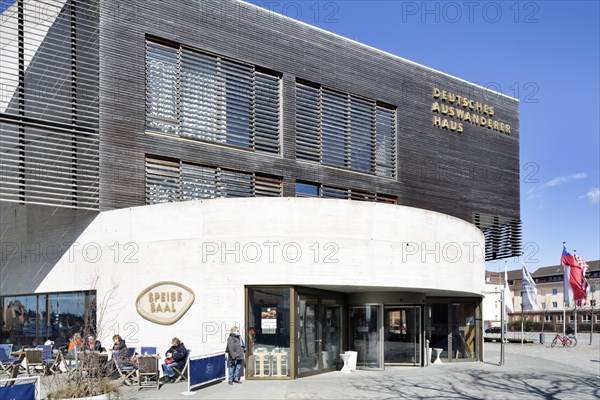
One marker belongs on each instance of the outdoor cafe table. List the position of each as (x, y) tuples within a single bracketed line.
[(70, 364)]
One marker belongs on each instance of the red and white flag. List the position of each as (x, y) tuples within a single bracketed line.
[(584, 283), (573, 278)]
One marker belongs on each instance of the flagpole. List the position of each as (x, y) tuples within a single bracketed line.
[(564, 318), (522, 314), (575, 309), (502, 311), (566, 294), (503, 316), (522, 311)]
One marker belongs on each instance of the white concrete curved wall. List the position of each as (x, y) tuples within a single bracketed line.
[(216, 247)]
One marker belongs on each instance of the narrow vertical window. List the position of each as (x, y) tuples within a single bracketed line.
[(162, 88)]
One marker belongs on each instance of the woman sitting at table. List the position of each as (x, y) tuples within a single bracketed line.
[(176, 358), (93, 345), (75, 342), (120, 353)]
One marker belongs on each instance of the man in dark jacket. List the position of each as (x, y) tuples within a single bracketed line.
[(176, 358), (235, 351)]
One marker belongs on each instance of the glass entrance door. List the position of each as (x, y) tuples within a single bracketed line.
[(402, 335), (310, 335), (365, 335), (320, 323), (331, 334)]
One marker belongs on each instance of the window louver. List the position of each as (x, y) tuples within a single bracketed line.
[(198, 182), (162, 88), (168, 181), (305, 189), (235, 184), (267, 186), (205, 97), (344, 130), (502, 236), (49, 103), (162, 181)]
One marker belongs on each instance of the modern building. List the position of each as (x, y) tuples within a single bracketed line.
[(176, 168), (550, 299)]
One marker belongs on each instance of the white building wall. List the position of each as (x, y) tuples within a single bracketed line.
[(213, 247)]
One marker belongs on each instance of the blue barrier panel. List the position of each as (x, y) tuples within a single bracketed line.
[(24, 391), (206, 369)]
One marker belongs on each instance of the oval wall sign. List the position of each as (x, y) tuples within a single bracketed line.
[(164, 302)]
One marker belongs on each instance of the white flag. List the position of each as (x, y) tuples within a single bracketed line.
[(508, 302), (529, 291)]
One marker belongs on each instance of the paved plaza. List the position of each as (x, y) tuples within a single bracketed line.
[(531, 371)]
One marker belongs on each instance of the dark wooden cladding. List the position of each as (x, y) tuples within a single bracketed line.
[(476, 171)]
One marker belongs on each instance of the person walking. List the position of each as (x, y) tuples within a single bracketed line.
[(235, 351)]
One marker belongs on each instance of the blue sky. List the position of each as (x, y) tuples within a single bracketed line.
[(4, 4), (546, 54)]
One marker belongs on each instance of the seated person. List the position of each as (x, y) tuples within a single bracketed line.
[(178, 354), (93, 345), (75, 342), (61, 341), (120, 352)]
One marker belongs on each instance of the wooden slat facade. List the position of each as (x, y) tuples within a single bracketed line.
[(460, 174)]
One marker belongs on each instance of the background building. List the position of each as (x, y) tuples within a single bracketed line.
[(129, 127), (550, 299)]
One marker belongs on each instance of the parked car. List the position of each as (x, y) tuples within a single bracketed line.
[(494, 329)]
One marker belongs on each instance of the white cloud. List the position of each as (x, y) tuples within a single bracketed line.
[(593, 195), (563, 180), (538, 191)]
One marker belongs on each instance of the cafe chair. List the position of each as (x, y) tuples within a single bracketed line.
[(7, 362), (34, 361), (181, 374), (52, 364), (7, 348), (148, 351), (147, 372), (126, 369)]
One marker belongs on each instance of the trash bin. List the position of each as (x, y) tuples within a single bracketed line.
[(541, 338)]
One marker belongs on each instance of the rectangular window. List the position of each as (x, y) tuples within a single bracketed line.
[(305, 189), (548, 318), (592, 303), (168, 181), (344, 130), (543, 305), (554, 291), (571, 318), (559, 318), (586, 318), (554, 304), (269, 326), (31, 319), (205, 97)]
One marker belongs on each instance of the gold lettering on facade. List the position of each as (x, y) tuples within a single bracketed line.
[(161, 302), (460, 109)]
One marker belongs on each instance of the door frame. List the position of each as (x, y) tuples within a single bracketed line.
[(319, 294), (418, 330), (380, 310)]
